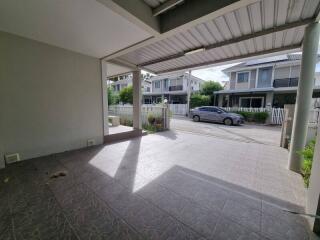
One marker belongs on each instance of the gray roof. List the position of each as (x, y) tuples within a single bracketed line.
[(256, 62), (173, 75)]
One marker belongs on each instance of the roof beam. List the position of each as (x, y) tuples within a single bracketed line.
[(234, 40), (136, 11), (165, 6), (216, 13), (190, 11), (292, 48)]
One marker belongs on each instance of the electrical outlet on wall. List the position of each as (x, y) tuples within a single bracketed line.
[(91, 142), (11, 158)]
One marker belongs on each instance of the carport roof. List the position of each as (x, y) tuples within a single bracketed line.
[(239, 30)]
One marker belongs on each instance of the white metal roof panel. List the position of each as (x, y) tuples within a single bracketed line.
[(262, 15)]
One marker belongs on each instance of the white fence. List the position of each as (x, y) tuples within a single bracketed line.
[(242, 109), (126, 111), (277, 116), (178, 109)]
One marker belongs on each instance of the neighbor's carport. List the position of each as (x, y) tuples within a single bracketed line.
[(188, 35)]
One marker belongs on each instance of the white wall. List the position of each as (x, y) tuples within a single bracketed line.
[(50, 98)]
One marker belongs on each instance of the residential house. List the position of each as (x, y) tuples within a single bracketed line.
[(268, 82), (173, 87), (122, 81)]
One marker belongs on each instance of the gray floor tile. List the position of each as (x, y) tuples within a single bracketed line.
[(243, 214)]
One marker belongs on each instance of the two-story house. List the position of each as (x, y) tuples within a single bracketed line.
[(268, 82), (173, 87), (122, 81)]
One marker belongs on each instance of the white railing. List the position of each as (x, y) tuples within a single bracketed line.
[(125, 112), (243, 109), (277, 116)]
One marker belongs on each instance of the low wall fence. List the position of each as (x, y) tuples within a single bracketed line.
[(125, 113)]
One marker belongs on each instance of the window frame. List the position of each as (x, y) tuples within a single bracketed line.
[(262, 101), (237, 78), (156, 83)]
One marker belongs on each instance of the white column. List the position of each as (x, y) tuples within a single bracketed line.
[(104, 97), (136, 83), (188, 91), (304, 95)]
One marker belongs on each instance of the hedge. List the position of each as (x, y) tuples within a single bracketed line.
[(259, 117)]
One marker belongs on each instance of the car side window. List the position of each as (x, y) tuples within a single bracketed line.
[(204, 109)]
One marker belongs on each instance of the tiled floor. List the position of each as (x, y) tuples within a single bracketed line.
[(172, 185)]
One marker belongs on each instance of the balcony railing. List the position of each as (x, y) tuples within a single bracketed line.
[(175, 88), (285, 82)]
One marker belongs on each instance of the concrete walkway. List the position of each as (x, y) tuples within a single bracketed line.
[(170, 185)]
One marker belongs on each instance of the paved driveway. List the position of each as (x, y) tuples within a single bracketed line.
[(269, 135)]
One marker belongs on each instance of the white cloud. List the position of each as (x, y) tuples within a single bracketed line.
[(213, 73)]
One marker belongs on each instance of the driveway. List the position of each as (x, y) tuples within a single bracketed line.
[(269, 135)]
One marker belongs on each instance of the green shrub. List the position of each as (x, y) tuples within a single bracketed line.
[(126, 122), (149, 128), (307, 154), (151, 119), (126, 95), (155, 124), (259, 117), (248, 116), (197, 100)]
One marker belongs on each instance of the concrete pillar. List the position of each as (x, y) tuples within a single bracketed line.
[(313, 193), (188, 91), (304, 95), (104, 97), (220, 100), (136, 85)]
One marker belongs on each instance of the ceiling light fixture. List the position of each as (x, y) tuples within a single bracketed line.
[(194, 51)]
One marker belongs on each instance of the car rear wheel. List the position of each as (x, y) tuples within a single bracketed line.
[(228, 121), (196, 118)]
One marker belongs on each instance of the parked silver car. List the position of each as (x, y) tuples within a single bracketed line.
[(215, 114)]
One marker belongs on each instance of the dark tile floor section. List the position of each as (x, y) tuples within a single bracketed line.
[(89, 204)]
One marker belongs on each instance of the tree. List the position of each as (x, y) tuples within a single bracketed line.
[(197, 100), (126, 95), (113, 98), (209, 87)]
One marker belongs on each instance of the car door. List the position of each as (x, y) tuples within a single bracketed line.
[(204, 113), (213, 114)]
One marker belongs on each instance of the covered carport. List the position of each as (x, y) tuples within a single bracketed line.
[(226, 32)]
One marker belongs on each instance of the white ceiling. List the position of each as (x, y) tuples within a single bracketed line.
[(84, 26)]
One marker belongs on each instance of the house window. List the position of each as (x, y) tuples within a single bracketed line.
[(166, 83), (251, 102), (157, 84), (242, 77)]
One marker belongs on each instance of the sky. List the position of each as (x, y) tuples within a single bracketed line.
[(213, 73)]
